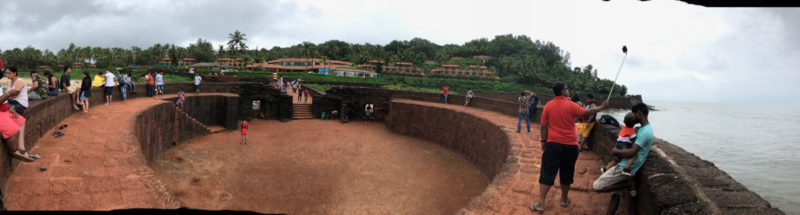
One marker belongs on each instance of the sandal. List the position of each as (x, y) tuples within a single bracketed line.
[(536, 208), (20, 154), (565, 203)]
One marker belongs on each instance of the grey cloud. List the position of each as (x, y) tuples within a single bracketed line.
[(54, 24)]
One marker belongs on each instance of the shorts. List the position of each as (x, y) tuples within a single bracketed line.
[(196, 87), (70, 89), (10, 125), (160, 88), (109, 90), (13, 104), (244, 131), (610, 177), (83, 97), (558, 157), (623, 145)]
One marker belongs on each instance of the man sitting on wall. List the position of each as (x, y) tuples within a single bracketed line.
[(613, 179)]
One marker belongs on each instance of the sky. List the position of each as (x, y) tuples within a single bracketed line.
[(677, 51)]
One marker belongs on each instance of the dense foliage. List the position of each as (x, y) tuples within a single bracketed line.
[(516, 59)]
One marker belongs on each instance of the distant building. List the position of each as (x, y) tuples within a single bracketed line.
[(165, 61), (186, 62), (431, 62), (306, 64), (453, 70), (235, 63)]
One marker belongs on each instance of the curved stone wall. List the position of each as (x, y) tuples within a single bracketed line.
[(165, 125), (674, 181)]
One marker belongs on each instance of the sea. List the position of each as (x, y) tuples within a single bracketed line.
[(757, 144)]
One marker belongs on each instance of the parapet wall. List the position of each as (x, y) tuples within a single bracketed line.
[(163, 126), (481, 142), (674, 181)]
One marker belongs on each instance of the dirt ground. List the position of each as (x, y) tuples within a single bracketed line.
[(319, 167)]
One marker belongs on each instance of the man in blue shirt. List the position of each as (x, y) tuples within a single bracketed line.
[(613, 179)]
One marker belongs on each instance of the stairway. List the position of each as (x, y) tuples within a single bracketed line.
[(302, 111)]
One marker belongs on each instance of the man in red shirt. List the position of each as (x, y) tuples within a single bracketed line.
[(559, 143), (150, 85), (444, 89)]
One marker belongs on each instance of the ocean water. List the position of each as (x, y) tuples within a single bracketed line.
[(757, 144)]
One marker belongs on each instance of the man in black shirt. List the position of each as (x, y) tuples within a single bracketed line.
[(66, 86)]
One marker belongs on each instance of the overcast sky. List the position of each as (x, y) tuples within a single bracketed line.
[(677, 52)]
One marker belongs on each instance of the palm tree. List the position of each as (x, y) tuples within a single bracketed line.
[(237, 41)]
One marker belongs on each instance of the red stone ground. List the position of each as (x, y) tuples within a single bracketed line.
[(98, 165), (319, 167)]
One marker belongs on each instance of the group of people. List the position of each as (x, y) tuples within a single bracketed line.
[(467, 98), (296, 85), (560, 147)]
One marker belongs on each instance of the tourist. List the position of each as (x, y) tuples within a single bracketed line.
[(66, 86), (533, 107), (85, 91), (99, 80), (244, 132), (13, 132), (131, 86), (577, 100), (52, 85), (181, 99), (122, 86), (559, 145), (444, 92), (197, 80), (588, 124), (39, 89), (613, 179), (150, 85), (160, 84), (110, 84), (524, 101), (627, 135), (294, 86), (305, 94), (17, 94), (367, 112), (300, 92), (468, 97)]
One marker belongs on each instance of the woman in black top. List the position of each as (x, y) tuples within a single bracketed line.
[(86, 91), (52, 88)]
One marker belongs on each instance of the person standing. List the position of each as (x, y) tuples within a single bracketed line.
[(559, 145), (66, 86), (122, 86), (524, 101), (469, 97), (85, 92), (160, 85), (39, 89), (109, 85), (299, 92), (444, 92), (197, 80), (150, 84), (305, 93), (244, 132), (533, 107), (614, 179), (588, 123)]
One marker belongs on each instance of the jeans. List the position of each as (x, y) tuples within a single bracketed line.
[(132, 86), (531, 114), (124, 96), (150, 90), (520, 116), (445, 98)]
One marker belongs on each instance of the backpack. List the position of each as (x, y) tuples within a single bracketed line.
[(121, 80), (608, 120)]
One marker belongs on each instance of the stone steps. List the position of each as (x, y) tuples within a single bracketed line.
[(302, 111)]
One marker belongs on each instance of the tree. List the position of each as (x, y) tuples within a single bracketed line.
[(237, 42)]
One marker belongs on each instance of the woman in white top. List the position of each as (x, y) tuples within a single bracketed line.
[(18, 94)]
